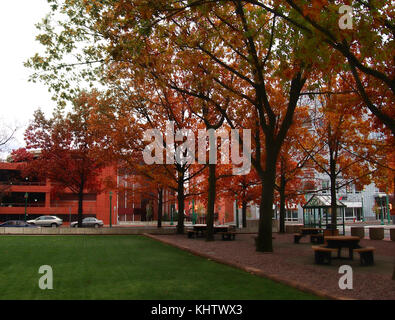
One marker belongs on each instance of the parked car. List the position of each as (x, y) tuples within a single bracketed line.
[(47, 221), (17, 224), (89, 222)]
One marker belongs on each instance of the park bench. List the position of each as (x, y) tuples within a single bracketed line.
[(297, 237), (366, 255), (323, 255), (317, 238), (228, 235), (191, 233)]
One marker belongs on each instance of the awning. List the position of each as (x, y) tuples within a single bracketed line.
[(321, 201), (355, 204)]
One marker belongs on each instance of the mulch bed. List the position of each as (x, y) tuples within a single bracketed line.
[(294, 264)]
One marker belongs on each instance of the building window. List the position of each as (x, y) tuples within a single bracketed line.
[(291, 215), (349, 214)]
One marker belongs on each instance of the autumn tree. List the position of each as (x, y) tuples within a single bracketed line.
[(143, 185), (292, 175), (67, 156), (21, 155), (148, 113), (212, 122), (245, 189), (366, 43), (358, 39), (345, 148)]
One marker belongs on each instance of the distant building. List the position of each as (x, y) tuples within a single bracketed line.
[(126, 205), (367, 204)]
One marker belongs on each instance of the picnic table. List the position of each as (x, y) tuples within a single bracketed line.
[(221, 228), (339, 242), (199, 230), (306, 231), (315, 235)]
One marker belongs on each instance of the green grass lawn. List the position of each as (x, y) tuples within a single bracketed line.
[(123, 267)]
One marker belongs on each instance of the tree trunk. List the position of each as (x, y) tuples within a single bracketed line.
[(80, 208), (211, 202), (160, 205), (273, 145), (264, 241), (282, 205), (332, 166), (244, 213), (180, 201)]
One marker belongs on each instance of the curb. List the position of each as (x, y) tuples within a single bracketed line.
[(251, 270), (82, 231)]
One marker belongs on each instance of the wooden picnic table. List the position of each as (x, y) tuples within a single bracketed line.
[(305, 231), (221, 228), (316, 235), (201, 228), (339, 242)]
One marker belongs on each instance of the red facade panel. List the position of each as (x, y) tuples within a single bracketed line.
[(123, 204)]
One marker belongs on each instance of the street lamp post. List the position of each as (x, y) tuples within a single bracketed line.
[(388, 209), (26, 196), (110, 209), (193, 212), (382, 209), (363, 216)]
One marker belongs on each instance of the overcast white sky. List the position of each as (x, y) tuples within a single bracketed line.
[(19, 98)]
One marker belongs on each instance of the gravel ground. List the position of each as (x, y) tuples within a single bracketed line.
[(295, 262)]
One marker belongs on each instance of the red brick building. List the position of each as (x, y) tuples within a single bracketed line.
[(127, 205)]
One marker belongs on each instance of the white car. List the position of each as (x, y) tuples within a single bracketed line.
[(46, 221), (89, 222)]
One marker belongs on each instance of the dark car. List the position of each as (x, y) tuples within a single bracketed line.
[(89, 222), (17, 224)]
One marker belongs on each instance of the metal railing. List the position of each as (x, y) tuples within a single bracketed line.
[(19, 204), (23, 183)]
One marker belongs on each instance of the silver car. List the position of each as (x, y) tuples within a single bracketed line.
[(89, 222), (47, 221)]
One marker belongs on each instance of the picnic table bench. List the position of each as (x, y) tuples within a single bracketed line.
[(315, 236), (191, 233), (366, 255), (228, 235), (323, 255), (297, 237)]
